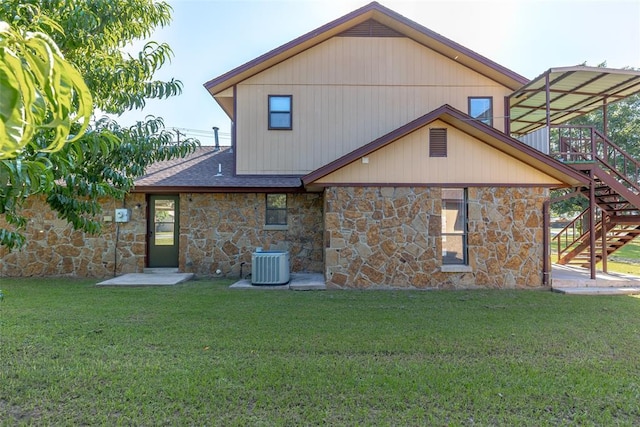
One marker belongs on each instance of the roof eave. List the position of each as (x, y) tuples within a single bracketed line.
[(177, 189)]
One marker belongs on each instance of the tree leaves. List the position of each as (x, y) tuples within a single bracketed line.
[(40, 90), (130, 151), (107, 158), (93, 36)]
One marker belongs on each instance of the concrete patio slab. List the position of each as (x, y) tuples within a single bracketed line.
[(147, 279), (598, 291), (297, 282), (577, 281)]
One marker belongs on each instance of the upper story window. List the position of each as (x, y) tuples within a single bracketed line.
[(280, 112), (276, 212), (454, 226), (481, 108)]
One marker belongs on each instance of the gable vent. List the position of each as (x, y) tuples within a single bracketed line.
[(370, 28), (438, 142)]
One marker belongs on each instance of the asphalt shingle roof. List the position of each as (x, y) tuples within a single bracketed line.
[(200, 171)]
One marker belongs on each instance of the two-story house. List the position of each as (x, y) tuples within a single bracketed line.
[(374, 151)]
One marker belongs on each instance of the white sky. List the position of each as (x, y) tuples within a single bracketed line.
[(212, 37)]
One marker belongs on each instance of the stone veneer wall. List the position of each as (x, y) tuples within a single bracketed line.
[(54, 249), (389, 237), (217, 231), (220, 231)]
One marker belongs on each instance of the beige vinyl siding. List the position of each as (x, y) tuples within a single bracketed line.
[(407, 161), (347, 92)]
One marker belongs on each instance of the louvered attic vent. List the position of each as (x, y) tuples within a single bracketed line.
[(438, 142), (370, 28)]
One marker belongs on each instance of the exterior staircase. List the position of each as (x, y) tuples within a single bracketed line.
[(614, 195)]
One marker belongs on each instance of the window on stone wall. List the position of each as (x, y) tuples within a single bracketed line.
[(454, 226), (276, 212)]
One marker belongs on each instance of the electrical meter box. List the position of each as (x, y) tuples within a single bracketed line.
[(123, 215)]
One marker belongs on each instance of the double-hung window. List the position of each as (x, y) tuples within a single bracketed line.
[(280, 112), (454, 226), (276, 209), (481, 108)]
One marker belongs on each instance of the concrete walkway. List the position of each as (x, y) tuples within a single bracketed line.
[(564, 279), (298, 282), (148, 279), (577, 281), (158, 277)]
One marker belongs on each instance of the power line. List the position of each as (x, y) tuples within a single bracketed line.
[(200, 131)]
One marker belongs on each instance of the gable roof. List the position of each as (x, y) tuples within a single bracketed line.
[(392, 21), (466, 124), (198, 172)]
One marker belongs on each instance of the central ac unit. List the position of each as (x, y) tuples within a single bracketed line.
[(270, 268)]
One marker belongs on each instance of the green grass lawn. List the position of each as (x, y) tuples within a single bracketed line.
[(201, 354)]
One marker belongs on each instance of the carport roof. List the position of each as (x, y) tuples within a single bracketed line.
[(572, 92)]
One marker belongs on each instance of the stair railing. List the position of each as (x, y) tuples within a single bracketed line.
[(583, 144), (616, 160), (573, 233), (575, 144), (571, 143)]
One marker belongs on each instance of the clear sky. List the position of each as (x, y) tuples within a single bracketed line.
[(212, 37)]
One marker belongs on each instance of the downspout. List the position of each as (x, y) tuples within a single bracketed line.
[(605, 122), (592, 227), (115, 249), (507, 115), (548, 110), (546, 225), (233, 127), (604, 220)]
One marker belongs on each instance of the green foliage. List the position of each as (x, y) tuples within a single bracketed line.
[(40, 89), (623, 123), (568, 208), (93, 35), (107, 158), (129, 152)]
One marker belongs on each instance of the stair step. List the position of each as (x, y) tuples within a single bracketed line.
[(160, 270)]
